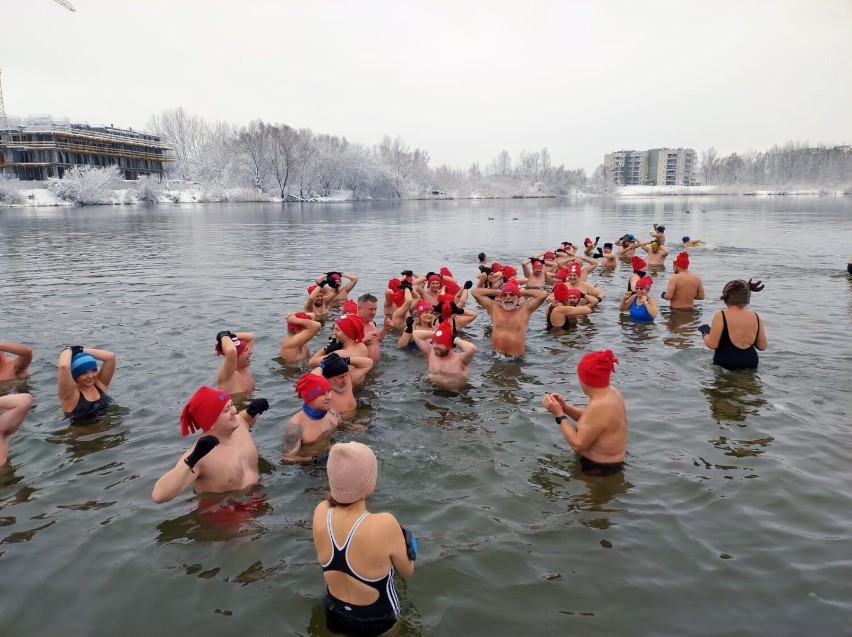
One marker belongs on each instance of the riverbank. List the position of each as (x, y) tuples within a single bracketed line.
[(36, 194)]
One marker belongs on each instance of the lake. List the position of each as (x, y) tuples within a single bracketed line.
[(732, 516)]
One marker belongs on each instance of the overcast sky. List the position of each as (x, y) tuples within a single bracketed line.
[(461, 79)]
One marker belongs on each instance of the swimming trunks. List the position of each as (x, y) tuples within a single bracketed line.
[(730, 356), (85, 409), (600, 469), (640, 313), (352, 619)]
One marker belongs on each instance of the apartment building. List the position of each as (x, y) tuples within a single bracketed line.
[(654, 167)]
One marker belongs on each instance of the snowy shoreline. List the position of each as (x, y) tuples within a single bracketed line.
[(40, 196)]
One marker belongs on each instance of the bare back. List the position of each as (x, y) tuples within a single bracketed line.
[(684, 289)]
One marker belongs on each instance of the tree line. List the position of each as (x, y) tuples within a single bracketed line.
[(276, 160)]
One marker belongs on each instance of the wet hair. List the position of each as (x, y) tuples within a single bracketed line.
[(367, 298), (481, 256), (736, 292)]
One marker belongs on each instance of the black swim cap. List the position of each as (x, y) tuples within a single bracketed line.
[(333, 365)]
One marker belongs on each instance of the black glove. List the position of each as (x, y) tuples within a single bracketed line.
[(755, 287), (485, 269), (204, 446), (663, 295), (704, 329), (410, 543), (227, 333), (409, 325), (456, 309), (596, 240), (321, 458), (257, 407), (405, 285), (76, 349), (332, 283), (468, 285), (323, 283), (333, 345), (407, 273)]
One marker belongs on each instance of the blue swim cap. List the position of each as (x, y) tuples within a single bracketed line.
[(685, 239), (83, 363), (661, 228)]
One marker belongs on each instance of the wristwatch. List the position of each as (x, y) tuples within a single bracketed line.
[(559, 419)]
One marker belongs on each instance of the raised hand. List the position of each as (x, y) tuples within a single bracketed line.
[(704, 329), (204, 446), (755, 287), (257, 407)]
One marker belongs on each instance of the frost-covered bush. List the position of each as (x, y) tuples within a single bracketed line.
[(9, 195), (87, 185), (148, 189)]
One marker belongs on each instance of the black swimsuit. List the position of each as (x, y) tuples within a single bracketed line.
[(550, 325), (85, 408), (730, 356)]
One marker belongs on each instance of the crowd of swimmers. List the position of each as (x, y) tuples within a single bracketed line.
[(360, 552)]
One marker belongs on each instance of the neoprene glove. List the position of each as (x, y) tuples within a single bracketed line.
[(346, 359), (204, 446), (332, 283), (468, 284), (405, 285), (663, 295), (755, 287), (321, 458), (407, 273), (257, 407), (456, 309), (409, 325), (596, 240), (222, 334), (410, 543), (76, 349), (704, 329), (333, 345)]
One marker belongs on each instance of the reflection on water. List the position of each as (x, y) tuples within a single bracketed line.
[(218, 518), (558, 475), (734, 395), (98, 434), (638, 337), (682, 326)]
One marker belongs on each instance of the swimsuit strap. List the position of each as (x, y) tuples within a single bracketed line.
[(351, 531), (758, 328)]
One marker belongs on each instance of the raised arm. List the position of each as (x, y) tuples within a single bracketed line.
[(229, 365), (311, 329), (65, 385), (625, 301), (535, 300), (358, 368), (23, 356), (468, 349), (107, 370), (485, 297), (422, 339), (352, 280)]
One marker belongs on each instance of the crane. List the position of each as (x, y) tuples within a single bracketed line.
[(3, 123)]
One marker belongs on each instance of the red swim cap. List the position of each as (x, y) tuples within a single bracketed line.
[(350, 307), (352, 326), (595, 368), (638, 263), (296, 326), (645, 282), (682, 261), (310, 386), (444, 335), (423, 306), (202, 410)]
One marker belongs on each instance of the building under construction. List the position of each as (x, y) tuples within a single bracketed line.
[(45, 148)]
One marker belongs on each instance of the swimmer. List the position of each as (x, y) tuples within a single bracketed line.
[(510, 315), (601, 433), (566, 305), (234, 376), (589, 246), (627, 247), (320, 295), (423, 319), (656, 253), (686, 242), (534, 272), (82, 387), (359, 552), (638, 264), (642, 308), (13, 409), (342, 373), (307, 434), (17, 365), (573, 279), (608, 258), (367, 307), (301, 328), (659, 234), (684, 287), (574, 259), (335, 281), (346, 339), (222, 460), (444, 360), (736, 333)]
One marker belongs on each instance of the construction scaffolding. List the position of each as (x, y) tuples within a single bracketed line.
[(46, 149)]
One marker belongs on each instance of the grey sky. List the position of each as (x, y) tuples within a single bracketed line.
[(460, 79)]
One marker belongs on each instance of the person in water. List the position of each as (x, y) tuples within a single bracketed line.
[(600, 437), (13, 409), (82, 387), (225, 458), (308, 432), (301, 328), (642, 308), (684, 287), (736, 333), (342, 373), (234, 375), (439, 347), (15, 366), (359, 551), (510, 315), (567, 305)]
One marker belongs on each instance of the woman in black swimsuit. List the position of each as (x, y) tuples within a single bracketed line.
[(82, 387), (736, 332)]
